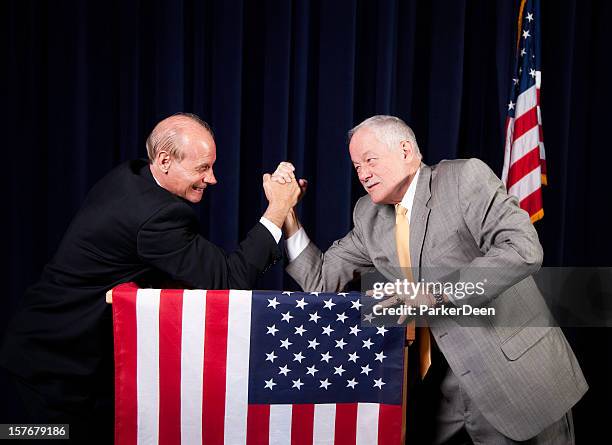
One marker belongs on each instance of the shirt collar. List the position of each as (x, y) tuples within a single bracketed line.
[(408, 198), (154, 178)]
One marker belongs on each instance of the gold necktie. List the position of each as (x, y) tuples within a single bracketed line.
[(402, 242)]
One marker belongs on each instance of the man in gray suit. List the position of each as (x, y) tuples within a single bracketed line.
[(508, 380)]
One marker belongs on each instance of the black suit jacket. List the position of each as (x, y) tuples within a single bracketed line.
[(128, 229)]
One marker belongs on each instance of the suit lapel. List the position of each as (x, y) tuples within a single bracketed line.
[(419, 216), (386, 232)]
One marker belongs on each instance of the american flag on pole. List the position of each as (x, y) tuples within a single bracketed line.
[(249, 367), (524, 159)]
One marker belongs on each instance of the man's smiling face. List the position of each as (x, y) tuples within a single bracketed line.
[(189, 177), (383, 171)]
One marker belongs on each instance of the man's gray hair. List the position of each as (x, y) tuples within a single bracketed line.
[(390, 130), (166, 134)]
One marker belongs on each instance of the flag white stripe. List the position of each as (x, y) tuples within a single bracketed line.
[(367, 423), (507, 149), (147, 365), (538, 85), (542, 153), (527, 184), (525, 101), (523, 145), (324, 424), (539, 113), (237, 374), (192, 365), (280, 425)]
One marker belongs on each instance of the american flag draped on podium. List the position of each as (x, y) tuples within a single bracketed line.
[(248, 367), (524, 170)]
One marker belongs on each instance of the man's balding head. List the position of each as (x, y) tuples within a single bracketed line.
[(169, 134)]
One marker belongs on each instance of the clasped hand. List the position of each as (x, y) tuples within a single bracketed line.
[(285, 173), (280, 193)]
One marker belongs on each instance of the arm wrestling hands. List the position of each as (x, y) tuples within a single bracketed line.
[(282, 198), (284, 174)]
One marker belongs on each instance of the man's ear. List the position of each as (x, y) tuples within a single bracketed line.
[(163, 160), (407, 150)]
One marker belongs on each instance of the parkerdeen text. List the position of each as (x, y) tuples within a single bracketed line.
[(412, 311)]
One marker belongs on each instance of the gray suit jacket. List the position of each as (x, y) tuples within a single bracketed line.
[(519, 371)]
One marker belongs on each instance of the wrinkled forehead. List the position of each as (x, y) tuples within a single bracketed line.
[(364, 144)]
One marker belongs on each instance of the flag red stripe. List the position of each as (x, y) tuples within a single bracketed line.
[(533, 202), (390, 424), (215, 355), (523, 166), (346, 424), (302, 423), (524, 123), (124, 325), (258, 425), (170, 327)]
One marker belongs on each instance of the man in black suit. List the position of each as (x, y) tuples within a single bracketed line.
[(135, 225)]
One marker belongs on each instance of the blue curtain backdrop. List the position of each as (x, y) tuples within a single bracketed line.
[(84, 83)]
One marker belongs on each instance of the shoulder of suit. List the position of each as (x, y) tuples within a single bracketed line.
[(448, 164), (365, 209), (364, 203), (128, 186), (178, 212), (126, 170), (459, 166)]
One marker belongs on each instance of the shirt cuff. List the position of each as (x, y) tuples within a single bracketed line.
[(274, 230), (296, 244)]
